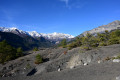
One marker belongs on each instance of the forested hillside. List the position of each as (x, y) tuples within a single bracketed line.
[(91, 41), (26, 43)]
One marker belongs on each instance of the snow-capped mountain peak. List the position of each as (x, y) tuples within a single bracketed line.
[(57, 36), (55, 33), (4, 29), (34, 34), (51, 36), (13, 28)]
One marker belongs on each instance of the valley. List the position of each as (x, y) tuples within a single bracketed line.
[(92, 55)]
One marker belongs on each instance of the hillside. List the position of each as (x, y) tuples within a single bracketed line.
[(89, 57), (101, 29), (26, 42), (95, 64), (59, 39)]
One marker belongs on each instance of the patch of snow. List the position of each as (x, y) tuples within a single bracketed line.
[(13, 28), (34, 34), (4, 29), (56, 35)]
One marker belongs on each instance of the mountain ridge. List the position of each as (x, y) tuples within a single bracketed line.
[(25, 42), (101, 29), (50, 36)]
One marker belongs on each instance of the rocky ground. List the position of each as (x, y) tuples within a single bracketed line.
[(61, 64)]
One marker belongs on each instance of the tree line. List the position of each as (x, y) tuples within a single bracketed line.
[(91, 41), (7, 52)]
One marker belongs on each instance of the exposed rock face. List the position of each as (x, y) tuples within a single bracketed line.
[(100, 55), (74, 61), (101, 29)]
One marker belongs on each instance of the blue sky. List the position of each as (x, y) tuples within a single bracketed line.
[(64, 16)]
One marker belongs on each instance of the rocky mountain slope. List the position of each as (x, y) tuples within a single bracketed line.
[(75, 64), (101, 29), (52, 36)]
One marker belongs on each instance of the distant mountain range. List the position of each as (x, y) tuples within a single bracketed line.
[(101, 29), (29, 40), (25, 42), (52, 36)]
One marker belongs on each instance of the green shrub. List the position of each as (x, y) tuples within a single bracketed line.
[(35, 49), (118, 57), (117, 33), (114, 41), (63, 43), (103, 44), (19, 52), (28, 66), (86, 48), (38, 59), (72, 45), (101, 39), (69, 48)]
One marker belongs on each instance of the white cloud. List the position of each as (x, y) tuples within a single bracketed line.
[(66, 2), (74, 3)]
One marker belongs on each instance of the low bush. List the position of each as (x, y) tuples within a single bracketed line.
[(35, 49), (28, 66), (114, 41), (38, 59), (118, 57), (103, 44), (86, 48)]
